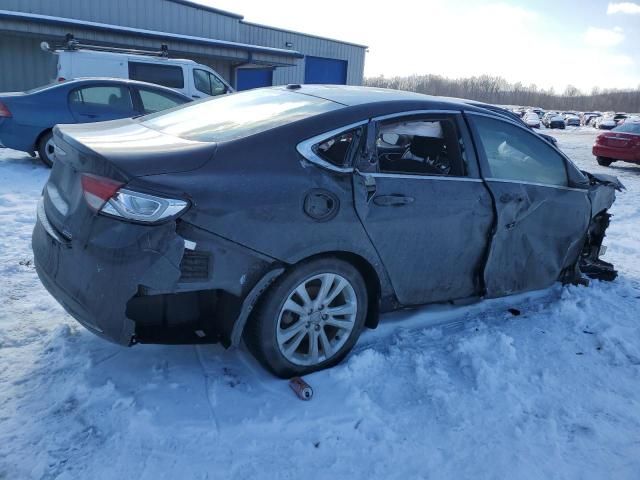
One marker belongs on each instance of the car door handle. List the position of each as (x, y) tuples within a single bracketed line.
[(392, 200), (89, 115), (196, 96)]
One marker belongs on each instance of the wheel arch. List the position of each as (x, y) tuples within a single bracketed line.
[(39, 137), (374, 284)]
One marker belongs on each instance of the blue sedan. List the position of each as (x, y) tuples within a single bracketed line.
[(27, 118)]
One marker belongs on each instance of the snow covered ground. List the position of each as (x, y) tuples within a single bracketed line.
[(436, 393)]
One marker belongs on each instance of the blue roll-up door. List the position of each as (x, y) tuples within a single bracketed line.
[(247, 78), (325, 70)]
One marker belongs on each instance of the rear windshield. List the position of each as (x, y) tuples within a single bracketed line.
[(238, 115), (43, 87), (628, 127)]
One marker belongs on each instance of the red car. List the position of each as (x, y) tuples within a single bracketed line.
[(622, 143)]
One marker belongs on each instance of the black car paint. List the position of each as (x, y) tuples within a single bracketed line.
[(247, 217)]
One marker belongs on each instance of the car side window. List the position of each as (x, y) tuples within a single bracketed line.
[(208, 83), (166, 75), (339, 150), (113, 97), (154, 101), (419, 146), (513, 153)]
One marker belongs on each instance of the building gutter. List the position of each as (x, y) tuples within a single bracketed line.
[(72, 22)]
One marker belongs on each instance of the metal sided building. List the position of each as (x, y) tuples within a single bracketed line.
[(246, 54)]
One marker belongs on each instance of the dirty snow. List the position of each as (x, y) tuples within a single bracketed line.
[(435, 393)]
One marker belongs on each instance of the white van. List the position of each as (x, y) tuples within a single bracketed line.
[(185, 76)]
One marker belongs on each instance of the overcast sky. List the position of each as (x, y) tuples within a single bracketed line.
[(551, 43)]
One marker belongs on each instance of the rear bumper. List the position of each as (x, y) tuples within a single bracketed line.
[(17, 137), (94, 280), (623, 154), (128, 283)]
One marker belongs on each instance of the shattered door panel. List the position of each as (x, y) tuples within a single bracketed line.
[(539, 232)]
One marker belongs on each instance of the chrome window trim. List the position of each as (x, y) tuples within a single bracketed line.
[(504, 119), (423, 177), (415, 112), (305, 148), (535, 184)]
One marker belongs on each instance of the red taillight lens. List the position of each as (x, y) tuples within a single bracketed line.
[(98, 190), (4, 111)]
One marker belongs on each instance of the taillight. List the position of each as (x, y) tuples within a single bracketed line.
[(61, 79), (107, 197), (98, 190), (4, 111)]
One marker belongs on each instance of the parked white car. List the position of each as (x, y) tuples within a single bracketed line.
[(531, 119), (183, 75), (606, 123)]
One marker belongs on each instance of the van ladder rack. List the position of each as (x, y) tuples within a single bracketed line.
[(71, 44)]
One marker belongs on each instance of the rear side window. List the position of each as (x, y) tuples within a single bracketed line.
[(166, 75), (238, 115), (112, 96), (513, 153), (419, 146), (339, 150), (208, 83), (154, 101)]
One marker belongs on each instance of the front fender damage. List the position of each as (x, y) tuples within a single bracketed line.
[(602, 194)]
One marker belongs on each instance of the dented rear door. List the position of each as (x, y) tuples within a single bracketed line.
[(541, 220)]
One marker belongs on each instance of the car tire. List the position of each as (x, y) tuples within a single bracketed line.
[(285, 324), (45, 149), (605, 162)]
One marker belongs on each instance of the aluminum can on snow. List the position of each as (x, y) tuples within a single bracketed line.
[(301, 388)]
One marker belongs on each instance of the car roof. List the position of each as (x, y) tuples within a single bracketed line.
[(351, 95), (103, 80)]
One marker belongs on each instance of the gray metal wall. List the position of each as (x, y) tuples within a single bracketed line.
[(162, 15), (308, 45), (23, 65)]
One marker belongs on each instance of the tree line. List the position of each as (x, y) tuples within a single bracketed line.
[(496, 90)]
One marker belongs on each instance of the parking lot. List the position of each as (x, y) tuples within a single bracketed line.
[(548, 390)]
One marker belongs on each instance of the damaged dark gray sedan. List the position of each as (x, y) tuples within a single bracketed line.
[(290, 217)]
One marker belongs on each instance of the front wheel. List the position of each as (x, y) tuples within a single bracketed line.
[(605, 162), (309, 319), (46, 149)]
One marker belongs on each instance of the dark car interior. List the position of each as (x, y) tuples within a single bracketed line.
[(419, 148)]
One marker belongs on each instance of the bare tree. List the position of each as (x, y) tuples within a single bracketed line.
[(493, 89)]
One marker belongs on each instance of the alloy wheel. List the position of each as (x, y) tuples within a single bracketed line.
[(316, 319)]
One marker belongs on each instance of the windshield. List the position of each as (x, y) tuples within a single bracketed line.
[(238, 115), (628, 127)]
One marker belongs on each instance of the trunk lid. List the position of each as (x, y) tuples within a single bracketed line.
[(618, 140), (134, 149), (120, 150)]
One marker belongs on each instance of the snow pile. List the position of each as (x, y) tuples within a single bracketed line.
[(438, 392)]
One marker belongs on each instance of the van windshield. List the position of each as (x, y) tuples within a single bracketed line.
[(238, 115)]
